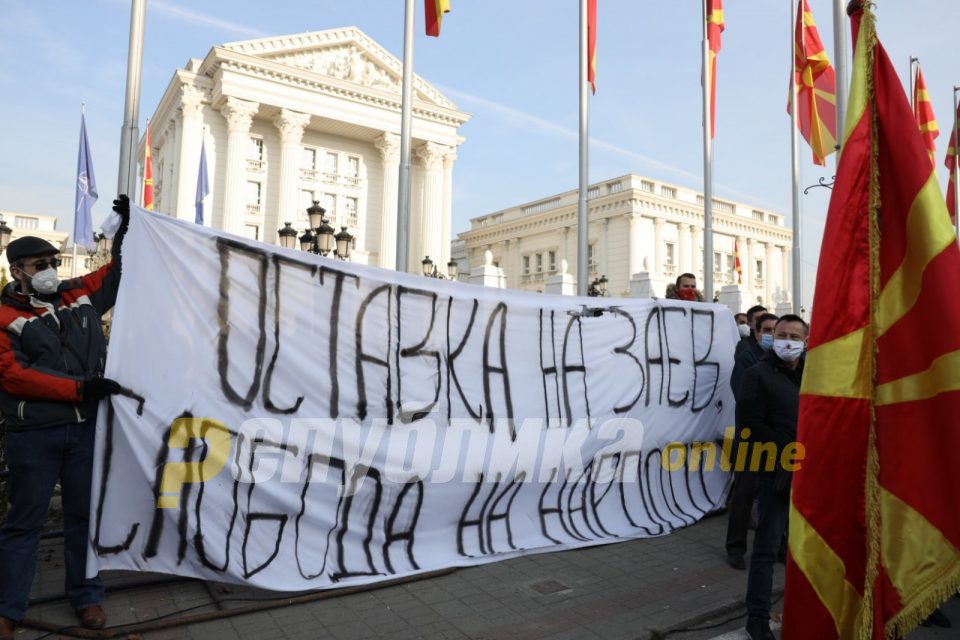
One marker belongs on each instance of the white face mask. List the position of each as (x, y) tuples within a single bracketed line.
[(788, 350), (45, 282), (744, 330)]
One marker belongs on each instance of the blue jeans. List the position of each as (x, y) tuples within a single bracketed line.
[(773, 507), (37, 459)]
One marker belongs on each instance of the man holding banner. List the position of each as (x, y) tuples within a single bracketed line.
[(52, 352)]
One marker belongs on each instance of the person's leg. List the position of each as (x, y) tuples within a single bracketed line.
[(75, 481), (33, 458), (741, 505), (773, 507)]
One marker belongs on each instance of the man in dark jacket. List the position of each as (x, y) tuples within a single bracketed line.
[(768, 405), (747, 341), (52, 353)]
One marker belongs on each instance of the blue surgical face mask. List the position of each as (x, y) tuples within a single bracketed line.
[(766, 341)]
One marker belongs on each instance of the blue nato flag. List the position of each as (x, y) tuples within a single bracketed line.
[(203, 183), (86, 193)]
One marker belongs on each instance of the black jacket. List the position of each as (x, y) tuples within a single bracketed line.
[(747, 355), (768, 404), (50, 344)]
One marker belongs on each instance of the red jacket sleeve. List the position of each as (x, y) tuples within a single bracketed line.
[(32, 383)]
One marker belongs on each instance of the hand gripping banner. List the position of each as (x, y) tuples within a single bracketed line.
[(295, 422)]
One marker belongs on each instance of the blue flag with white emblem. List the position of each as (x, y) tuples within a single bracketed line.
[(203, 183), (86, 193)]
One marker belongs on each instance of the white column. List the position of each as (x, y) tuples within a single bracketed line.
[(191, 133), (448, 159), (291, 125), (683, 236), (605, 247), (166, 199), (239, 115), (785, 270), (769, 281), (517, 278), (657, 246), (747, 247), (695, 249), (389, 146), (634, 244), (430, 155), (564, 246)]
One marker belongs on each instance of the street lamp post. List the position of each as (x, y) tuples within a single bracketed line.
[(319, 238), (598, 288), (5, 233), (430, 270)]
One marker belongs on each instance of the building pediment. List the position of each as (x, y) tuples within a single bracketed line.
[(347, 54)]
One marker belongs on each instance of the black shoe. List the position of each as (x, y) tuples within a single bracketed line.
[(937, 619), (736, 562), (759, 629)]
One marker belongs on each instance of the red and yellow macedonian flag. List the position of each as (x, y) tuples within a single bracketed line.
[(923, 112), (715, 26), (816, 87), (147, 172), (433, 13), (874, 533), (736, 262), (951, 163)]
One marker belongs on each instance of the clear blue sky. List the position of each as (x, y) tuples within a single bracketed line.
[(510, 63)]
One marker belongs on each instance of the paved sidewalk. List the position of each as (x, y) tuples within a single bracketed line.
[(632, 590)]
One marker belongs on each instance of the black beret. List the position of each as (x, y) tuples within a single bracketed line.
[(27, 247)]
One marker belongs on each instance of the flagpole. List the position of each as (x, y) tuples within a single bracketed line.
[(73, 263), (708, 81), (403, 188), (840, 68), (956, 164), (582, 211), (129, 134), (795, 162), (914, 65)]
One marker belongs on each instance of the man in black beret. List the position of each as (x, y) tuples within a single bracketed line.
[(52, 353)]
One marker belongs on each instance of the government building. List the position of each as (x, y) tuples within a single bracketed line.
[(643, 233), (291, 119)]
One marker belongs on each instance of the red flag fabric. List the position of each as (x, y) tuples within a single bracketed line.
[(592, 44), (715, 26), (951, 163), (874, 535), (736, 262), (147, 172), (816, 87), (923, 112), (433, 13)]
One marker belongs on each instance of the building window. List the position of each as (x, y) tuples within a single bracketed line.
[(668, 192), (331, 163), (717, 262), (26, 222), (308, 164), (353, 167), (552, 260), (252, 231), (615, 187), (539, 263), (526, 265), (306, 200), (255, 157), (352, 219), (590, 256), (253, 196), (593, 192), (759, 270), (758, 215), (646, 185), (670, 254), (730, 263), (329, 203)]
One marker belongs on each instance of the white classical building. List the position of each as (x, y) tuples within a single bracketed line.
[(643, 233), (313, 116), (33, 224)]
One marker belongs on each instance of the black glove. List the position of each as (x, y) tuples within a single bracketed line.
[(99, 388), (122, 206)]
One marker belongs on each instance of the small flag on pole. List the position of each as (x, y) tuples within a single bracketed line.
[(923, 112), (86, 193), (147, 172), (951, 163), (434, 10), (736, 262), (816, 88), (715, 26), (203, 183), (592, 44)]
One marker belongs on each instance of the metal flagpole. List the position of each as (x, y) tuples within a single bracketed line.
[(794, 126), (130, 134), (914, 65), (403, 190), (840, 67), (708, 81), (582, 211), (73, 264), (956, 164)]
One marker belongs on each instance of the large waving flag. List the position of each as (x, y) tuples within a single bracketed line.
[(592, 44), (951, 163), (923, 112), (816, 87), (86, 193), (715, 26), (433, 12), (203, 184), (147, 172), (736, 262), (874, 533)]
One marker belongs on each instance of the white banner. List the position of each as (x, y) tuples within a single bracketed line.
[(296, 422)]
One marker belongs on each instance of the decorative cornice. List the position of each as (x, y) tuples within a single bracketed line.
[(430, 155), (291, 125), (239, 113), (389, 146)]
